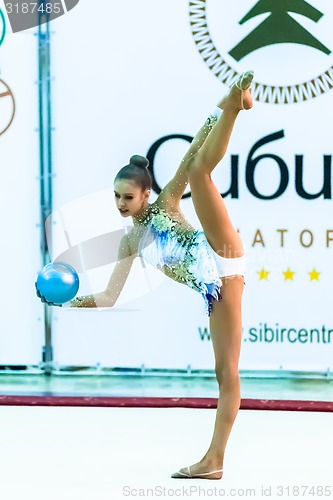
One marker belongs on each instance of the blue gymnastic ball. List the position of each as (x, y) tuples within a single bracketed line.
[(58, 282)]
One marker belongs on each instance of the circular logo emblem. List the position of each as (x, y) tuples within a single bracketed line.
[(288, 44), (7, 107), (2, 26)]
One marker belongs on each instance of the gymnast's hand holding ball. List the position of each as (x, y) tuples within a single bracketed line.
[(57, 284)]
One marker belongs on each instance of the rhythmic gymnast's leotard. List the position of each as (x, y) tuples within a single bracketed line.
[(186, 256)]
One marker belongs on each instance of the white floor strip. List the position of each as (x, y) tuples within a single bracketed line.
[(115, 453)]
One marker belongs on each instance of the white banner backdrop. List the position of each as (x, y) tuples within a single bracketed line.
[(127, 75), (21, 326)]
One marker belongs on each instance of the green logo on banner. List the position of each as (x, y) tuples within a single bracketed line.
[(287, 49), (2, 26), (279, 27)]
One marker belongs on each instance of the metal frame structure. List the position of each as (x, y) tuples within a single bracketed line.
[(45, 159)]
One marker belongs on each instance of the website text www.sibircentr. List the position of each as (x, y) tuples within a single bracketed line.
[(275, 333)]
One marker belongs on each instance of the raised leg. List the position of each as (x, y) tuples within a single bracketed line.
[(208, 203)]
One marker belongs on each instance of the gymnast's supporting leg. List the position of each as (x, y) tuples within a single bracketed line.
[(226, 333)]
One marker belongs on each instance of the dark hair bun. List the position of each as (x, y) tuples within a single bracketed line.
[(139, 161)]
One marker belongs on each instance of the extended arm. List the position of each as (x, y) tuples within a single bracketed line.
[(118, 278), (174, 190)]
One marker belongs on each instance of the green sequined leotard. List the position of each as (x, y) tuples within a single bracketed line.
[(182, 254)]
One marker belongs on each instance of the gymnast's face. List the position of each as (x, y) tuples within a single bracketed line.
[(130, 198)]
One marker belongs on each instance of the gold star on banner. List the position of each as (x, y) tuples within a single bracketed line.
[(314, 275), (263, 275), (288, 275)]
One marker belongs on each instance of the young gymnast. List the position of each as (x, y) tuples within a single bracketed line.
[(211, 261)]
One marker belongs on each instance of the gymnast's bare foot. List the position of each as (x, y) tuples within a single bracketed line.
[(239, 95)]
